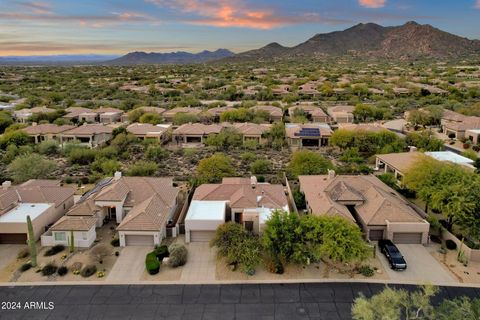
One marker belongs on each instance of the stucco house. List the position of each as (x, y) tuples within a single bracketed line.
[(378, 209), (170, 114), (252, 131), (314, 113), (341, 114), (193, 134), (45, 201), (242, 200), (156, 110), (147, 131), (456, 124), (275, 114), (23, 115), (309, 135), (91, 135), (47, 131)]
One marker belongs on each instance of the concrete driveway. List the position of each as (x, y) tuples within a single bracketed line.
[(421, 266), (9, 252), (130, 264), (201, 264)]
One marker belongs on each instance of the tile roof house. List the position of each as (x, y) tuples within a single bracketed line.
[(91, 135), (314, 113), (308, 135), (252, 131), (341, 114), (193, 134), (456, 124), (242, 200), (142, 207), (275, 114), (47, 131), (23, 115), (145, 131), (43, 200), (73, 113), (378, 209)]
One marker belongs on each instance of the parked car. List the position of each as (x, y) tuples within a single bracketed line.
[(394, 256)]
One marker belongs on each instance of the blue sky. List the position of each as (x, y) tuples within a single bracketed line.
[(48, 27)]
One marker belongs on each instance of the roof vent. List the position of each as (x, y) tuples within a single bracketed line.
[(7, 184), (117, 175)]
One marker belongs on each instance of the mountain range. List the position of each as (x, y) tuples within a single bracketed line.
[(410, 40), (179, 57)]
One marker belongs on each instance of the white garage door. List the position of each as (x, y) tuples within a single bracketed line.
[(139, 240), (407, 237), (201, 236)]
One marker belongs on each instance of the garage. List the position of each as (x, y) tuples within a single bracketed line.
[(139, 240), (201, 235), (13, 238), (203, 219), (407, 237)]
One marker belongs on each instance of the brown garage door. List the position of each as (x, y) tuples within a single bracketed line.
[(201, 236), (407, 237), (375, 235), (139, 240), (13, 238)]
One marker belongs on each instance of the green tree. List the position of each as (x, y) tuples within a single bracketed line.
[(306, 162), (30, 166), (142, 169), (182, 118), (150, 117), (5, 121), (261, 166), (214, 168)]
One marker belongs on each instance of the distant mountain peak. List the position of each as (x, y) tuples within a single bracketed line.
[(179, 57)]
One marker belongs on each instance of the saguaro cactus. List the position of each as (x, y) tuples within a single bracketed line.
[(32, 245), (72, 242)]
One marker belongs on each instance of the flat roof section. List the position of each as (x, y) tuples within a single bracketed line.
[(449, 156), (19, 213), (206, 210)]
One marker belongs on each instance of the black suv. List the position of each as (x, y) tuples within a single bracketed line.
[(394, 257)]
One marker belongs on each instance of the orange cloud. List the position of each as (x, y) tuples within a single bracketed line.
[(372, 3), (235, 13)]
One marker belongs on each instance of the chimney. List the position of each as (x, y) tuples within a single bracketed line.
[(253, 182), (7, 184), (331, 174), (117, 175), (412, 148)]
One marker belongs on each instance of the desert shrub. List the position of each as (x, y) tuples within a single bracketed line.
[(23, 253), (248, 157), (48, 147), (24, 267), (81, 156), (49, 269), (54, 250), (450, 244), (62, 271), (152, 264), (115, 242), (142, 169), (76, 266), (261, 166), (178, 255), (366, 271), (88, 270), (435, 239), (161, 252)]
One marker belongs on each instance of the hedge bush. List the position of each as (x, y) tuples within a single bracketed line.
[(115, 242), (178, 255), (54, 250), (24, 267), (161, 252), (88, 270), (49, 269), (62, 271), (366, 271), (450, 244), (152, 264)]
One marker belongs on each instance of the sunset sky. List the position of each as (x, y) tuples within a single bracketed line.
[(119, 26)]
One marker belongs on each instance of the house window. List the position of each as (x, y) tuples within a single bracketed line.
[(60, 236), (84, 235)]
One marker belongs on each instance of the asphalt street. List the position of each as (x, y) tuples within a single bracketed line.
[(217, 302)]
